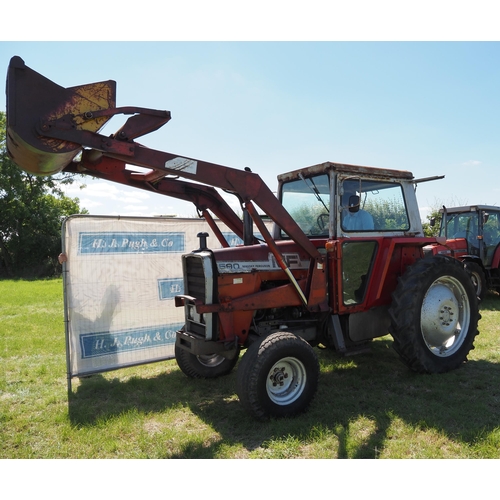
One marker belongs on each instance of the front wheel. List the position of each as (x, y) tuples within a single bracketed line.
[(207, 365), (278, 377), (434, 315)]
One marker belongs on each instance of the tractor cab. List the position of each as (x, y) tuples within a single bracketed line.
[(333, 200), (479, 225)]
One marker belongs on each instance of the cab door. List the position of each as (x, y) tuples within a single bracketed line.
[(354, 265)]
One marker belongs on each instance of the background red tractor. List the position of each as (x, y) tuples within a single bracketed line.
[(472, 235)]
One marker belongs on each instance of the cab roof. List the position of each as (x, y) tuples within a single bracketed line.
[(470, 208), (344, 168)]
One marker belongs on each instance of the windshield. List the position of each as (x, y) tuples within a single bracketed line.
[(307, 200), (460, 225), (372, 206), (467, 225)]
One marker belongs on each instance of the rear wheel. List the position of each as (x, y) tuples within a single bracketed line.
[(478, 278), (207, 365), (278, 376), (434, 315)]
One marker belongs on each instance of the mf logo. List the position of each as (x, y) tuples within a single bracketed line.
[(292, 260)]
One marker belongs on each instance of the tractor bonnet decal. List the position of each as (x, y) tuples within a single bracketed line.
[(292, 260)]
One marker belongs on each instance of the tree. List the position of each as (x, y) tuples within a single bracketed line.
[(387, 213), (32, 209), (433, 223)]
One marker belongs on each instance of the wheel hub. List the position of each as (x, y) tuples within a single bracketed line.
[(278, 376), (443, 316), (286, 381), (211, 360), (447, 314), (439, 315)]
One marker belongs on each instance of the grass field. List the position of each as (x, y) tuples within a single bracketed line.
[(368, 406)]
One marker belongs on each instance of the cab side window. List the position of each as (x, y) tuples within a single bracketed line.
[(373, 206)]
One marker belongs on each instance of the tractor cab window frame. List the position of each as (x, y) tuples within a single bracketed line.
[(372, 206), (491, 228), (307, 200), (463, 225)]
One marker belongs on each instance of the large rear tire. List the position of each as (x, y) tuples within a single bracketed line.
[(434, 315), (205, 366), (278, 376)]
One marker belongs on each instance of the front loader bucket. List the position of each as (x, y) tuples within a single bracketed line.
[(33, 102)]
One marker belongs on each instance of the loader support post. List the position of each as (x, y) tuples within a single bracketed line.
[(274, 249), (215, 228)]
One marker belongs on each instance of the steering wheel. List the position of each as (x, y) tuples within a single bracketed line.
[(322, 221)]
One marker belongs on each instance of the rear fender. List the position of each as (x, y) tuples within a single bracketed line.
[(495, 263)]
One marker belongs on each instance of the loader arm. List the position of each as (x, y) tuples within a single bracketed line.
[(203, 197), (49, 125)]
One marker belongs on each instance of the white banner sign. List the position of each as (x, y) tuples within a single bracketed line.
[(120, 280)]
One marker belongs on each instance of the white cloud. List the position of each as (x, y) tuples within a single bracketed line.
[(471, 163), (424, 212), (135, 209), (89, 203), (107, 198)]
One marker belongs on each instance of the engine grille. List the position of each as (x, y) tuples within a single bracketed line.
[(199, 283), (195, 278)]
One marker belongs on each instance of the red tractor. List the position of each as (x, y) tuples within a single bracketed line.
[(344, 264), (472, 235)]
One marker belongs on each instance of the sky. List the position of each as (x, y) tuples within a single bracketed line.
[(430, 107)]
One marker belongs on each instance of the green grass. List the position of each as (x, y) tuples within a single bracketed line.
[(368, 406)]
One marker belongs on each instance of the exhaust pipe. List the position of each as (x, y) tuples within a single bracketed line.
[(35, 102)]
